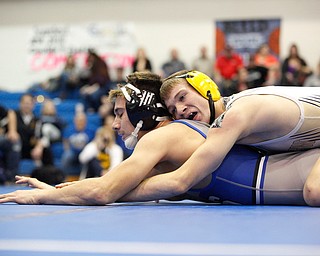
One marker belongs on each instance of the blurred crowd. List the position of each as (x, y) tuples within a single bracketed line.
[(231, 73)]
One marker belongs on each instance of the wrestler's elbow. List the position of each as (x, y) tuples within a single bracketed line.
[(99, 196), (180, 186), (311, 194)]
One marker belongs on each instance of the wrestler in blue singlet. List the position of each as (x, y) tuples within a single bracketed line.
[(248, 177), (236, 177)]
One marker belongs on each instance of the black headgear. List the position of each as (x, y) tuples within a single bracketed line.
[(143, 105)]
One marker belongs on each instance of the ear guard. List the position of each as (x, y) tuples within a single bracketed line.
[(142, 105), (202, 83)]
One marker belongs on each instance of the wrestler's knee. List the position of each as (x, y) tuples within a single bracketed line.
[(311, 193)]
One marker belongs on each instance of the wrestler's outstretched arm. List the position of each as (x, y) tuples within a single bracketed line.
[(311, 190), (103, 190)]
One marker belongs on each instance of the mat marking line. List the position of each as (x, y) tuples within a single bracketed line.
[(152, 248)]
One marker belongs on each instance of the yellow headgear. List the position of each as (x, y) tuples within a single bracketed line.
[(202, 83)]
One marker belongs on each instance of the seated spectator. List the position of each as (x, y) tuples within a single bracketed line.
[(238, 84), (106, 107), (120, 78), (314, 79), (141, 62), (203, 63), (75, 138), (294, 68), (98, 84), (101, 154), (48, 130), (69, 80), (257, 75), (265, 58), (173, 65), (26, 124), (10, 145), (226, 67), (46, 88), (62, 85)]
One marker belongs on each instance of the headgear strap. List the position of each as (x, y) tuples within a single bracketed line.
[(204, 85)]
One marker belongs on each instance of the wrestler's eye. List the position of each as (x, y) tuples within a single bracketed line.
[(119, 113), (182, 97), (172, 111)]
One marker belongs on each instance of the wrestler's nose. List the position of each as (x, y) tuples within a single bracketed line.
[(181, 110), (116, 124)]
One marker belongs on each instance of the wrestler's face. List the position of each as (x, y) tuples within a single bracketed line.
[(121, 123), (184, 102)]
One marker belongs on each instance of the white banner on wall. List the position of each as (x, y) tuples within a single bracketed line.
[(31, 54)]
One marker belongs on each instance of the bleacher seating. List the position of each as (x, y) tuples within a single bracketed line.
[(65, 109)]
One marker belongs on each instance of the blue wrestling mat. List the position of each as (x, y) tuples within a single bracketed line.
[(165, 228)]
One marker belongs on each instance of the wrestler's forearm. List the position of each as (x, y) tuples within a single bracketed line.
[(154, 188), (85, 192), (162, 186), (94, 191)]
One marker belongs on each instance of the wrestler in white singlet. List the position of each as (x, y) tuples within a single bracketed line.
[(305, 135)]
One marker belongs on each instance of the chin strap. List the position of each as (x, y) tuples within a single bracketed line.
[(132, 140), (211, 106)]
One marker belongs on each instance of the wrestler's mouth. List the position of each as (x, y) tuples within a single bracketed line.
[(192, 115)]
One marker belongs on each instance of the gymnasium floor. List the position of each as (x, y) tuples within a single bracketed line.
[(165, 228)]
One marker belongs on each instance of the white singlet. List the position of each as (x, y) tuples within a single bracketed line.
[(306, 134)]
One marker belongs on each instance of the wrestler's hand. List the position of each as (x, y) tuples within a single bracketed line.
[(32, 182), (65, 184), (21, 197)]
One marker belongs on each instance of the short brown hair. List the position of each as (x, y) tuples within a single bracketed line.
[(114, 94), (142, 80), (170, 82)]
